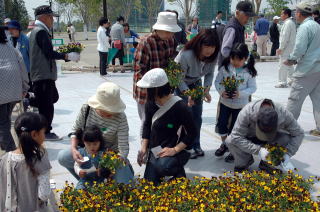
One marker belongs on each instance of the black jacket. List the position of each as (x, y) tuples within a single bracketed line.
[(274, 33)]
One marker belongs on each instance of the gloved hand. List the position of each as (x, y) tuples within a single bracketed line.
[(73, 56), (286, 165), (263, 153)]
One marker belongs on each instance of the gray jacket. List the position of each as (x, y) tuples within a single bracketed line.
[(245, 127), (117, 33)]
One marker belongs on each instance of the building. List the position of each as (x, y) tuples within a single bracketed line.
[(207, 10)]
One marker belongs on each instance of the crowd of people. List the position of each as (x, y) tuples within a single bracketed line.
[(170, 120)]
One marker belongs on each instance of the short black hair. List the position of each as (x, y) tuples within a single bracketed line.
[(261, 15), (159, 92), (287, 11), (91, 134), (126, 25), (3, 37), (316, 12), (219, 12), (120, 18), (103, 20)]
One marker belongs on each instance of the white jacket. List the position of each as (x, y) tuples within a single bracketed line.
[(287, 37), (103, 40)]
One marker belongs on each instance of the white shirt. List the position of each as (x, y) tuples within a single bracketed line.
[(103, 40)]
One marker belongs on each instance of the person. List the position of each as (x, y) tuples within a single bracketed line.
[(13, 86), (69, 32), (197, 60), (262, 29), (287, 40), (106, 111), (259, 123), (130, 34), (6, 23), (306, 76), (167, 131), (43, 68), (181, 36), (73, 33), (119, 42), (217, 21), (25, 171), (316, 16), (103, 45), (93, 148), (194, 27), (233, 32), (230, 106), (274, 35), (153, 51)]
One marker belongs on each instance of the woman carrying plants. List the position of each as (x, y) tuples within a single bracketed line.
[(235, 82), (167, 131), (197, 60)]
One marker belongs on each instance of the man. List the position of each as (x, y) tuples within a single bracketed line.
[(153, 51), (306, 76), (259, 123), (274, 35), (217, 21), (316, 15), (287, 41), (118, 41), (262, 29), (103, 45), (43, 68), (233, 32)]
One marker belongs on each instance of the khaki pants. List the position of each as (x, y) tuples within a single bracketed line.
[(285, 72), (301, 88), (262, 42)]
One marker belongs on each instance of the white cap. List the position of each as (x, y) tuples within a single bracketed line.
[(167, 21), (276, 18), (154, 78), (7, 20)]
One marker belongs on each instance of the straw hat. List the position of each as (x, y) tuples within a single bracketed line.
[(154, 78), (107, 98), (167, 21)]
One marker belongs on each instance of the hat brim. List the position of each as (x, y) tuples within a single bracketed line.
[(250, 14), (119, 107), (270, 136), (167, 28), (144, 84), (13, 27)]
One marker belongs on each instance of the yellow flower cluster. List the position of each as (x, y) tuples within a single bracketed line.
[(71, 47), (111, 160), (174, 73), (231, 84), (256, 191), (195, 93), (276, 154)]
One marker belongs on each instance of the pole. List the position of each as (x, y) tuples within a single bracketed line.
[(105, 13)]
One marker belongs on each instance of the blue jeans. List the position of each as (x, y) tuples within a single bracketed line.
[(123, 175)]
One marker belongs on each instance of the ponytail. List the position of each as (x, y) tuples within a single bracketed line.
[(250, 66)]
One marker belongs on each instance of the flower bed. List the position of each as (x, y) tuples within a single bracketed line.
[(256, 191)]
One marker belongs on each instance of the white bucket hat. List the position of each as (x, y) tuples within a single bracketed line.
[(276, 18), (167, 21), (154, 78), (107, 98)]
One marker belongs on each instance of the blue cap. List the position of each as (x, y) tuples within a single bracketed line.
[(14, 25)]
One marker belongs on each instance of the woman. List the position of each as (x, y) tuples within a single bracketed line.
[(167, 130), (105, 110), (194, 27), (198, 59), (13, 87), (103, 45)]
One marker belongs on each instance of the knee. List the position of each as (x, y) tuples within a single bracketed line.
[(65, 158), (228, 141)]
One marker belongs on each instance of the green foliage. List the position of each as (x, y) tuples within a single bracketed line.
[(16, 10), (276, 6)]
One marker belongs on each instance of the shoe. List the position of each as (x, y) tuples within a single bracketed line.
[(221, 151), (281, 86), (52, 137), (123, 71), (114, 71), (197, 153), (229, 158), (265, 166), (315, 132), (244, 168)]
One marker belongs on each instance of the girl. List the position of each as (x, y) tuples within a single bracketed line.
[(24, 172), (94, 148), (230, 106), (197, 60)]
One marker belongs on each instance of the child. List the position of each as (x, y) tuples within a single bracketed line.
[(93, 150), (24, 172), (230, 106)]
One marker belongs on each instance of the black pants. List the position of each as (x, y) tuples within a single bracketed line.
[(119, 55), (275, 46), (46, 95), (70, 38), (225, 112), (6, 140), (103, 62)]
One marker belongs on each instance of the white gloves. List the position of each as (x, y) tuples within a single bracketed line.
[(73, 56), (263, 153), (286, 165)]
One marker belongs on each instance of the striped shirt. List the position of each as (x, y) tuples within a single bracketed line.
[(115, 129)]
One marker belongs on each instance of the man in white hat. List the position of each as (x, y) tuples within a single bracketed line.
[(154, 51), (274, 35), (306, 54)]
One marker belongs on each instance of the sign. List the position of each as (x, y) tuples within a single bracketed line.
[(57, 42)]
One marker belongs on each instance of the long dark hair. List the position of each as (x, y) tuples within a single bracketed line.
[(160, 92), (241, 51), (91, 134), (24, 125), (3, 37), (206, 37)]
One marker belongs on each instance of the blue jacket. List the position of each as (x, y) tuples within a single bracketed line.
[(23, 46), (133, 34), (262, 26)]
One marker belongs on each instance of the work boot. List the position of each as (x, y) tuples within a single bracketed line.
[(265, 166), (221, 151), (229, 158), (244, 168)]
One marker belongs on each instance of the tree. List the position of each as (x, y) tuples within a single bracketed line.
[(2, 11), (186, 6), (16, 10), (152, 8), (276, 6)]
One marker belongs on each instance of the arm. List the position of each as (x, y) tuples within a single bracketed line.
[(218, 80), (44, 189), (122, 36), (142, 58), (227, 42), (77, 168), (123, 136), (284, 38), (251, 88), (134, 34), (185, 67), (24, 75), (146, 130), (208, 78), (301, 45), (45, 45), (188, 125), (256, 27), (103, 38)]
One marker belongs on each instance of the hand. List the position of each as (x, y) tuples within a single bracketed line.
[(290, 62), (225, 95), (263, 153), (279, 52), (167, 152), (190, 101), (82, 174), (235, 95), (77, 156), (286, 63), (73, 56), (142, 154), (286, 164), (207, 98)]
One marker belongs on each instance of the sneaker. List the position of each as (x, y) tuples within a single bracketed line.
[(244, 168), (221, 151), (52, 137), (229, 158), (197, 153), (123, 71), (265, 166), (114, 70), (281, 86), (315, 132)]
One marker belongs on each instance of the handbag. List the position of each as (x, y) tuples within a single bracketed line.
[(117, 44)]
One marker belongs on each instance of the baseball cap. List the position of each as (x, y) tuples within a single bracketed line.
[(154, 78), (305, 7), (267, 124), (276, 18), (44, 10), (246, 7), (14, 25), (7, 20)]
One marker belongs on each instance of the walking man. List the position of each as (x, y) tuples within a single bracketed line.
[(287, 41), (262, 29), (274, 35), (217, 21), (306, 54)]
